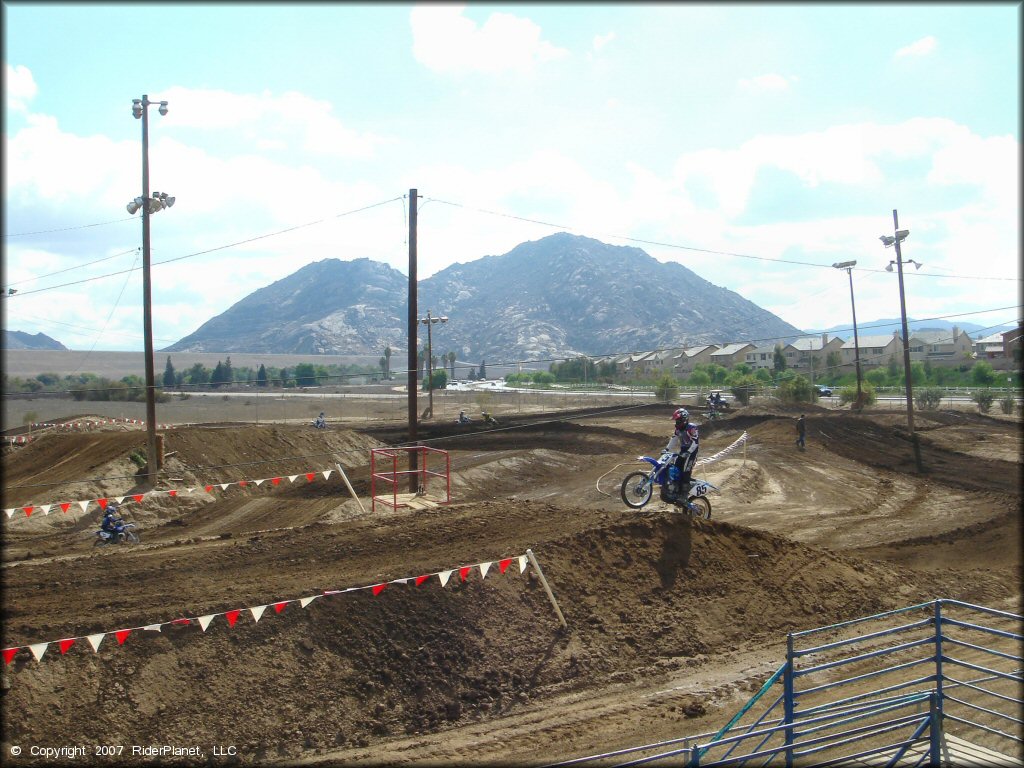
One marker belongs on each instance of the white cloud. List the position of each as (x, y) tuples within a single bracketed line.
[(600, 41), (921, 47), (288, 120), (444, 40), (20, 87), (769, 82)]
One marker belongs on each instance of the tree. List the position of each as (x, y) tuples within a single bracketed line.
[(878, 377), (666, 389), (483, 370), (169, 373), (387, 362), (261, 376), (796, 389), (743, 387), (451, 363), (832, 361), (778, 359), (217, 377), (894, 370), (699, 378), (983, 375), (198, 374), (305, 375)]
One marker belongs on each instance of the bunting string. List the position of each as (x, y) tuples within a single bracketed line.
[(257, 612), (138, 498)]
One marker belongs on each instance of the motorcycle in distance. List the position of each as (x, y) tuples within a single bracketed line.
[(638, 487), (320, 422), (126, 535)]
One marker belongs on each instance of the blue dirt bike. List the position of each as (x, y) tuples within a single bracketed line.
[(638, 487)]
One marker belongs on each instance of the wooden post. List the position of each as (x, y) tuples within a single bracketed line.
[(413, 328), (350, 488), (544, 582)]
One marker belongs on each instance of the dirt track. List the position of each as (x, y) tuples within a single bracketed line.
[(671, 621)]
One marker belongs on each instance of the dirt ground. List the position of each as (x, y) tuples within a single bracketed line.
[(672, 622)]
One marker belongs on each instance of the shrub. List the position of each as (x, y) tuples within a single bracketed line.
[(928, 398), (1007, 405), (796, 389), (665, 389), (138, 458), (984, 398), (848, 395), (742, 388)]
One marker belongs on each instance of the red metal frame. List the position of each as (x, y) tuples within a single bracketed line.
[(390, 473)]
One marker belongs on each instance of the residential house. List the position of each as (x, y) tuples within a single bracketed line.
[(953, 347), (1012, 341), (761, 357), (660, 361), (874, 350), (801, 353), (731, 354), (990, 348), (687, 359)]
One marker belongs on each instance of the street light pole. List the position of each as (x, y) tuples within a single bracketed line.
[(848, 266), (140, 109), (900, 236), (429, 322)]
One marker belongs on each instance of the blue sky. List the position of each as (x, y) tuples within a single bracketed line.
[(769, 134)]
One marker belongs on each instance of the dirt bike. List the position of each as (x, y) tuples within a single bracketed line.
[(638, 487), (123, 536)]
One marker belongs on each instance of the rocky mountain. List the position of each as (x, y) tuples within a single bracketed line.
[(551, 298), (22, 340)]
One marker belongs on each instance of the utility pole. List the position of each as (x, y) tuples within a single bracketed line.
[(906, 344), (413, 328)]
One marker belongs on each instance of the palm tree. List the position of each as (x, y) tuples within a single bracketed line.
[(451, 363), (387, 362)]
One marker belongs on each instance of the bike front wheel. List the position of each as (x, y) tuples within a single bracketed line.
[(130, 537), (703, 507), (636, 489)]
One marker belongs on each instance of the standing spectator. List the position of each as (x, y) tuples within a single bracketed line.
[(801, 432)]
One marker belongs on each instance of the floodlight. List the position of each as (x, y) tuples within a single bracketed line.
[(845, 264), (132, 207)]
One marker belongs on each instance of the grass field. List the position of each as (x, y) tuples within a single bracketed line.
[(26, 363)]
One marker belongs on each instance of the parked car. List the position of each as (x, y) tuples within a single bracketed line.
[(824, 391)]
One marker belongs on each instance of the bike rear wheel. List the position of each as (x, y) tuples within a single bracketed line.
[(636, 489), (703, 507)]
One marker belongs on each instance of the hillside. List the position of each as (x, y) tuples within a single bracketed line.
[(559, 296)]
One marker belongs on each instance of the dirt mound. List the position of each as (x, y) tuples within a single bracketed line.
[(641, 596), (669, 619)]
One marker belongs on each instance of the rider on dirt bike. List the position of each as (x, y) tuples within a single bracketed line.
[(683, 443), (112, 523)]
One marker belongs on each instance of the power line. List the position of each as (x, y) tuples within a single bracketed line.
[(68, 229), (77, 266), (702, 250), (210, 250)]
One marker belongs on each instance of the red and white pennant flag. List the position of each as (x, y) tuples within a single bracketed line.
[(138, 497), (38, 649)]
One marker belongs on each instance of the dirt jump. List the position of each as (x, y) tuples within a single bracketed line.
[(267, 616)]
